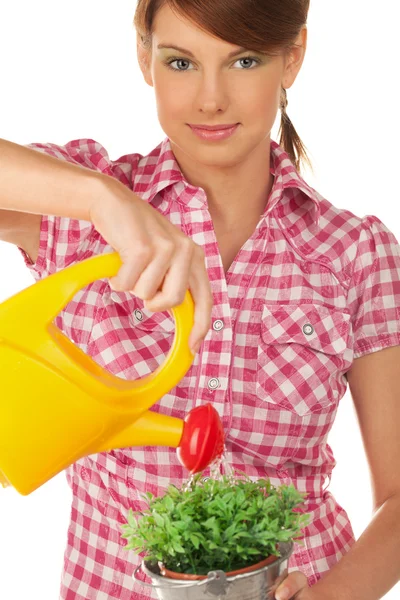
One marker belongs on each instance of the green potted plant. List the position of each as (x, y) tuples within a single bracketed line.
[(226, 536)]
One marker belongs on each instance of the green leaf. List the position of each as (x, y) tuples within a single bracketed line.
[(169, 503), (210, 523), (177, 547), (217, 524), (195, 540), (159, 519)]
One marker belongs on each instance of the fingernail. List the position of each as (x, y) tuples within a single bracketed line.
[(283, 594)]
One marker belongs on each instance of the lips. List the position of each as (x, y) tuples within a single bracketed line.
[(214, 133), (213, 127)]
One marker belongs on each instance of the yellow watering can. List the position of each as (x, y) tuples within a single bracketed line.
[(57, 405)]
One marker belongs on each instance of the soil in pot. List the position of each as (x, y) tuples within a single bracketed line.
[(190, 577)]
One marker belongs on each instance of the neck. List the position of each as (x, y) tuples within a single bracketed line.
[(236, 194)]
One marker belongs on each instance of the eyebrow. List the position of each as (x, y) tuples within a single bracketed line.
[(188, 53)]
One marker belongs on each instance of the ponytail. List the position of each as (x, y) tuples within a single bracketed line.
[(289, 138)]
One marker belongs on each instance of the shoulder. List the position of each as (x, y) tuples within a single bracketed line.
[(351, 235), (313, 224), (93, 155), (335, 237)]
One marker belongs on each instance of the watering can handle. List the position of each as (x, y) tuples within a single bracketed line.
[(35, 308), (69, 281)]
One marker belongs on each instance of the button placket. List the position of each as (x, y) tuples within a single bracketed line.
[(213, 383), (218, 325)]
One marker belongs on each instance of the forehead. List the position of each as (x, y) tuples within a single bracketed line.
[(170, 28)]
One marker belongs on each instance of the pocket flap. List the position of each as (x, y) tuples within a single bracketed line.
[(323, 328)]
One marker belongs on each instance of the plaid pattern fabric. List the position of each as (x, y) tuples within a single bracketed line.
[(313, 288)]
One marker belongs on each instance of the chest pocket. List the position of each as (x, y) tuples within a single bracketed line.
[(127, 339), (300, 359)]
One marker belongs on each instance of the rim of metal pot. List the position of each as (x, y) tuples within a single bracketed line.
[(211, 575)]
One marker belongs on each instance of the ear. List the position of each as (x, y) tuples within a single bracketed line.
[(144, 59), (294, 59)]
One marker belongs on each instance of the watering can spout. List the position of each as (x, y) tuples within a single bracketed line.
[(58, 405), (202, 439), (199, 439)]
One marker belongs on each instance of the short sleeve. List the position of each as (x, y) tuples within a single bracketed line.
[(374, 294), (64, 241)]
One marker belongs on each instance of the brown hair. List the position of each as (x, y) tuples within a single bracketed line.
[(268, 26)]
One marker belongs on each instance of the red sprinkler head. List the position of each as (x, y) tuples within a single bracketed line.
[(202, 439)]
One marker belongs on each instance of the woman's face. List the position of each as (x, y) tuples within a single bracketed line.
[(205, 84)]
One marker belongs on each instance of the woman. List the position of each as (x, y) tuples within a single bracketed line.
[(300, 295)]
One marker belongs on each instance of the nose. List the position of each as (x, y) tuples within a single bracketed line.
[(212, 95)]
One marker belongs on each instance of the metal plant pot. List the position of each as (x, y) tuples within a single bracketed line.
[(254, 585)]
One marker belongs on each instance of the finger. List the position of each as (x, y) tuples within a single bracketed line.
[(203, 301), (199, 285), (174, 284), (290, 586), (133, 264), (153, 277)]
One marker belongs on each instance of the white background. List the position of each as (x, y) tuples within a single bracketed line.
[(68, 69)]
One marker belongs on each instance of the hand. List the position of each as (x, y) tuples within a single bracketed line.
[(159, 261), (293, 587)]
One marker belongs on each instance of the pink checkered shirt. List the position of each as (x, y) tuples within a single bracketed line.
[(313, 288)]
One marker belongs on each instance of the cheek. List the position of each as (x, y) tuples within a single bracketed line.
[(171, 93), (261, 98), (258, 97)]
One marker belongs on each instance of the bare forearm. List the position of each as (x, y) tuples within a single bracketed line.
[(372, 566), (33, 182)]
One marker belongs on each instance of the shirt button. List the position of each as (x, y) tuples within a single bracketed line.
[(138, 314), (308, 329), (213, 383), (218, 325)]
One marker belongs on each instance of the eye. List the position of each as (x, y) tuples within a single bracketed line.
[(182, 62), (248, 59)]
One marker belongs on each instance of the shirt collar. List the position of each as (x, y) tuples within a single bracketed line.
[(156, 171), (288, 178), (159, 170)]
